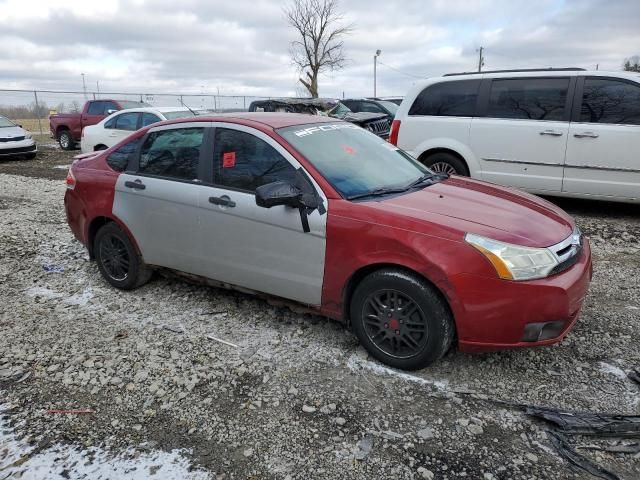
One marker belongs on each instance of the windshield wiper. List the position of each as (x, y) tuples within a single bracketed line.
[(378, 192)]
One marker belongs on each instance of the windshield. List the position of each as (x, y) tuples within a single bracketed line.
[(339, 110), (180, 114), (353, 160), (5, 122), (392, 107)]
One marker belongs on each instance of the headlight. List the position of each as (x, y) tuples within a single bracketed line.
[(27, 135), (513, 262)]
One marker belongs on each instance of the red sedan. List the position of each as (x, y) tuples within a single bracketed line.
[(323, 213)]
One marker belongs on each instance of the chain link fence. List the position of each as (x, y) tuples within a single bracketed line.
[(31, 108)]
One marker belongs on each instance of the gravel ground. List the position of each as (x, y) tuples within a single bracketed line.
[(289, 396)]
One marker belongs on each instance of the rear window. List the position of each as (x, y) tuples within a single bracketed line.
[(448, 99), (528, 98)]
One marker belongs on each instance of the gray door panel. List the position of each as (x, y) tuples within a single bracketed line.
[(163, 219), (262, 249)]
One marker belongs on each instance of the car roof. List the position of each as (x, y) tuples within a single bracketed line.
[(269, 119)]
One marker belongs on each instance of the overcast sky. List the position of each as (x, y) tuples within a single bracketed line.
[(241, 46)]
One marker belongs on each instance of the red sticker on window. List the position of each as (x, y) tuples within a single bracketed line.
[(228, 159), (350, 150)]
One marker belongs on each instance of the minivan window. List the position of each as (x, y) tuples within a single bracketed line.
[(528, 98), (610, 101), (447, 99), (172, 153)]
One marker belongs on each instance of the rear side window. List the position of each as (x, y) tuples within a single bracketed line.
[(528, 98), (127, 121), (96, 108), (610, 101), (111, 123), (245, 162), (119, 158), (149, 118), (110, 106), (448, 99), (172, 153)]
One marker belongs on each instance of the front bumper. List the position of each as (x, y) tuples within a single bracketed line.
[(22, 147), (499, 314)]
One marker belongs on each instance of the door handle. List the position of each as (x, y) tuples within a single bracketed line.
[(586, 135), (138, 185), (223, 201), (553, 133)]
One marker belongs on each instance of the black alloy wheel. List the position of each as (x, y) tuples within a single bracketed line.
[(117, 259), (395, 323), (401, 319)]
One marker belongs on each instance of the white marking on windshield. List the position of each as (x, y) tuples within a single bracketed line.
[(325, 128)]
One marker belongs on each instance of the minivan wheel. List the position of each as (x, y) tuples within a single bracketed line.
[(401, 320), (65, 140), (443, 162), (118, 260)]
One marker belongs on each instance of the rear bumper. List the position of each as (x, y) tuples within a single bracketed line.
[(497, 312)]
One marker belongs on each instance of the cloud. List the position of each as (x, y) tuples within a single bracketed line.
[(241, 47)]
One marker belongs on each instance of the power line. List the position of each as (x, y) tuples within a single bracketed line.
[(400, 71)]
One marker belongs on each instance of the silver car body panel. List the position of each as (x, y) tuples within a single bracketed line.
[(263, 249)]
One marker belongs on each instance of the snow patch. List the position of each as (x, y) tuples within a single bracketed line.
[(612, 370), (80, 299), (357, 364), (43, 292), (19, 460)]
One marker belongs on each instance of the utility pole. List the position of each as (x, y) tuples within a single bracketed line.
[(98, 86), (375, 66), (84, 86), (481, 59)]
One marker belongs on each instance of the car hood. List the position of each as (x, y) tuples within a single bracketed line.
[(501, 213), (9, 132)]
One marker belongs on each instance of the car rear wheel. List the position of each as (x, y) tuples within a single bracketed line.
[(66, 140), (444, 162), (401, 320), (118, 261)]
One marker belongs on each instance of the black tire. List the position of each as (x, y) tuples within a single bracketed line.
[(417, 347), (443, 162), (99, 148), (66, 140), (118, 260)]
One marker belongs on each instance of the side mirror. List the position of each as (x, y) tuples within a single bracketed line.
[(278, 193), (110, 111)]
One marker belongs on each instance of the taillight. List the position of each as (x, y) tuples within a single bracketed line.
[(393, 134), (71, 180)]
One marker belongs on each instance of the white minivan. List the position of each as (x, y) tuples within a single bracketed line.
[(564, 132)]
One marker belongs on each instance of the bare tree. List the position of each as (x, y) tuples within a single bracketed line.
[(632, 64), (319, 46), (75, 107)]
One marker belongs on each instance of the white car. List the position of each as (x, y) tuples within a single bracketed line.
[(120, 124), (15, 141), (564, 132)]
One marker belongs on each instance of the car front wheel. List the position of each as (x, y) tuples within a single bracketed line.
[(117, 259), (401, 320)]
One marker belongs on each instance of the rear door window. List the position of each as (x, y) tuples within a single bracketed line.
[(127, 121), (528, 98), (149, 118), (610, 101), (119, 158), (448, 99), (243, 161), (172, 153)]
